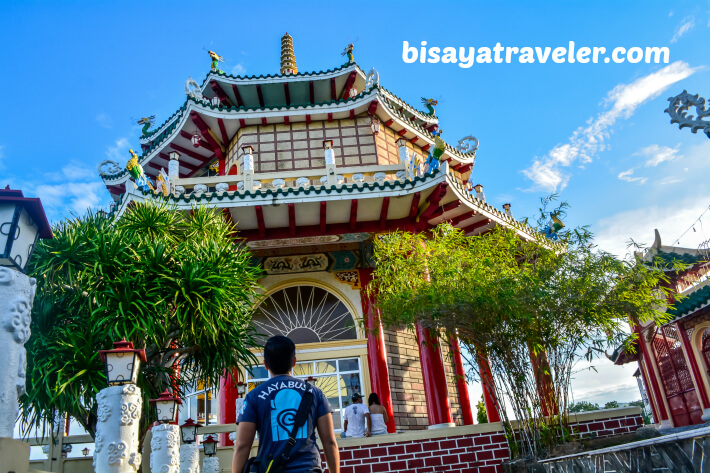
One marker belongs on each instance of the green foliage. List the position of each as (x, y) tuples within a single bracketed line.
[(584, 406), (173, 283), (611, 405), (481, 415), (513, 301)]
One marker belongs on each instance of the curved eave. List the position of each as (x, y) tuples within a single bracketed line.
[(475, 216), (425, 117), (280, 78), (422, 135), (337, 109), (308, 202)]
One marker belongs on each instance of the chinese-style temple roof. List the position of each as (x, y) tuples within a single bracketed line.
[(666, 255), (627, 352), (290, 204)]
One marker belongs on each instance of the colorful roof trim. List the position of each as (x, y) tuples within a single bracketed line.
[(216, 76)]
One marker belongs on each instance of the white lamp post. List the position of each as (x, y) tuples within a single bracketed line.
[(189, 451), (210, 464), (22, 222), (122, 363), (164, 451), (119, 411)]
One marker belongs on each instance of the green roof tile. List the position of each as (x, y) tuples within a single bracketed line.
[(691, 303)]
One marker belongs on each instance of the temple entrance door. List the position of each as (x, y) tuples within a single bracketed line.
[(676, 377)]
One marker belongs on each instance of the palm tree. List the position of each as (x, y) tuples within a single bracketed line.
[(174, 283)]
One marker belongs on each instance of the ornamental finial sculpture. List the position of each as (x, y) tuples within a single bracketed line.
[(678, 111), (216, 59), (348, 51), (147, 122)]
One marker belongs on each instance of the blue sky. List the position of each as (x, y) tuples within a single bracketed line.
[(75, 74)]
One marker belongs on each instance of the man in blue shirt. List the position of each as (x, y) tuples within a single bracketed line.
[(271, 407)]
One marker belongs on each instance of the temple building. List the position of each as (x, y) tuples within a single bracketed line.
[(674, 359), (310, 167)]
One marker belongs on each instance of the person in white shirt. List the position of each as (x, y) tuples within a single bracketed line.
[(357, 419)]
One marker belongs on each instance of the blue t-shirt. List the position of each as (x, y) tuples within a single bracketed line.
[(272, 406)]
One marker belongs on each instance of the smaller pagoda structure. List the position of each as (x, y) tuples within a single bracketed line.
[(674, 359)]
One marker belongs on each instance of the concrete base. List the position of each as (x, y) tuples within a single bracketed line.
[(706, 415), (442, 426), (14, 456)]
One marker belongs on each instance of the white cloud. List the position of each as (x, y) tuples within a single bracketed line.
[(239, 70), (104, 120), (668, 210), (587, 141), (60, 199), (669, 180), (685, 26), (626, 176), (659, 154), (119, 150)]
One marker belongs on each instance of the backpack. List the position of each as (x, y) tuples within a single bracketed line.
[(278, 463)]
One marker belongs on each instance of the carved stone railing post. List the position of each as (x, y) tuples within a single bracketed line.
[(17, 293), (189, 458), (116, 442), (210, 465), (164, 452)]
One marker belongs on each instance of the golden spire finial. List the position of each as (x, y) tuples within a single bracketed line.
[(288, 57)]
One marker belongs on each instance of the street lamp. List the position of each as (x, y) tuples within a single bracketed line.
[(188, 431), (85, 451), (22, 221), (401, 142), (311, 380), (210, 445), (165, 407), (122, 363), (241, 389)]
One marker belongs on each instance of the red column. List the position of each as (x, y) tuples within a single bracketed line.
[(227, 404), (434, 376), (376, 351), (461, 385), (656, 390), (222, 170), (703, 395), (233, 172), (489, 393)]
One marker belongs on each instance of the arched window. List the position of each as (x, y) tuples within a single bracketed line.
[(305, 314)]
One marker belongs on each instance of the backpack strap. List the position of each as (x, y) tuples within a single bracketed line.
[(299, 421)]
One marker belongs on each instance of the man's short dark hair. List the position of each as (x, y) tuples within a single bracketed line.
[(279, 354)]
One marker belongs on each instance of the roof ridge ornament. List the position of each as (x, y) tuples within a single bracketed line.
[(468, 145), (373, 79), (678, 111), (348, 51), (216, 59), (192, 89)]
